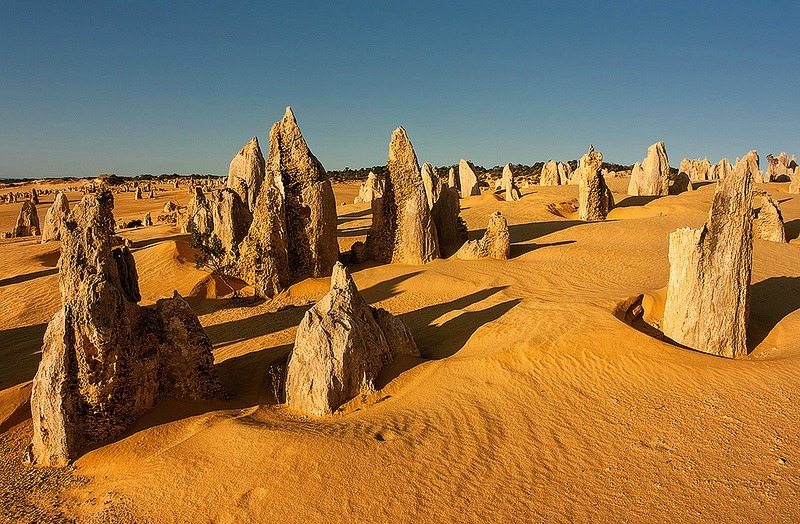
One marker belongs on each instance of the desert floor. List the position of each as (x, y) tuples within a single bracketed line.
[(532, 402)]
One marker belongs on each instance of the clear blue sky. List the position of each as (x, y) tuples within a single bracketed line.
[(141, 87)]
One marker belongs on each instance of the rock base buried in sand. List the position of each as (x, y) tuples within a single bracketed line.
[(495, 243), (708, 296), (340, 348)]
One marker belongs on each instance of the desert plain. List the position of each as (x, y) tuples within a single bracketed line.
[(532, 400)]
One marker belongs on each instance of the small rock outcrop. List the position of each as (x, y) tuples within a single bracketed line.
[(370, 189), (708, 296), (495, 243), (137, 195), (105, 359), (721, 170), (451, 230), (148, 219), (246, 173), (595, 199), (508, 185), (402, 230), (768, 224), (468, 179), (751, 166), (55, 217), (779, 169), (341, 346), (27, 221), (651, 177), (697, 170), (550, 175)]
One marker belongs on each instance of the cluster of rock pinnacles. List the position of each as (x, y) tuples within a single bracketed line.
[(107, 360)]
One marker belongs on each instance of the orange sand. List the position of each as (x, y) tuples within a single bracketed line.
[(532, 403)]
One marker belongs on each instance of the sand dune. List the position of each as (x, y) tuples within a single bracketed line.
[(531, 402)]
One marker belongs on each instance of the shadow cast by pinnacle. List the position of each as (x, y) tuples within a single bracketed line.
[(632, 201)]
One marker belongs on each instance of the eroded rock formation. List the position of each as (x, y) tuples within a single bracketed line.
[(246, 173), (595, 198), (468, 179), (495, 243), (231, 218), (341, 346), (54, 219), (106, 360), (27, 221), (769, 222), (651, 177), (402, 230), (370, 189), (708, 297), (550, 175)]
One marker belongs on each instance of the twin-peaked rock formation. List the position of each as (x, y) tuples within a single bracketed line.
[(416, 214), (341, 346), (651, 177), (105, 359), (293, 232), (708, 297)]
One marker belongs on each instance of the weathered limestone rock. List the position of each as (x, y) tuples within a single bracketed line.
[(371, 189), (170, 207), (35, 196), (246, 173), (340, 348), (564, 173), (54, 219), (430, 181), (468, 180), (148, 219), (769, 222), (232, 219), (751, 166), (794, 186), (451, 229), (508, 185), (779, 169), (680, 183), (721, 170), (198, 213), (453, 180), (27, 221), (106, 360), (310, 205), (707, 305), (595, 198), (651, 177), (549, 176), (402, 227), (152, 194), (495, 243), (263, 259), (137, 195), (697, 170)]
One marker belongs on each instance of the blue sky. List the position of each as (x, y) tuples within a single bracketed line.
[(139, 87)]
